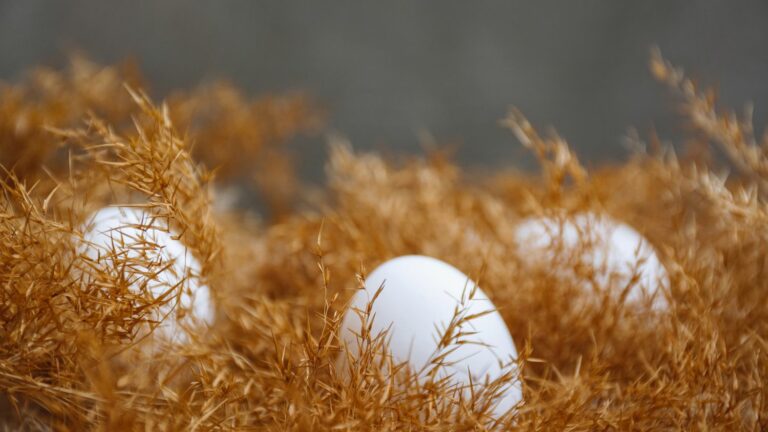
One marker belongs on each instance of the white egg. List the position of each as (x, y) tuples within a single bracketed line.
[(114, 236), (419, 298), (613, 251)]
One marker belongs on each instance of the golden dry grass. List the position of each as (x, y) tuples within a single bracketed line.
[(76, 140)]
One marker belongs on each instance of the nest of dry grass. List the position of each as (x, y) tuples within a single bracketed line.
[(76, 140)]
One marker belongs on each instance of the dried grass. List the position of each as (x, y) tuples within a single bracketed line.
[(70, 356)]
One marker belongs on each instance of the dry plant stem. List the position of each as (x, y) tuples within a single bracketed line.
[(558, 162), (734, 135), (156, 163), (271, 361)]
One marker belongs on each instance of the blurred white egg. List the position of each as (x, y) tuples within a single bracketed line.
[(419, 299), (613, 251), (114, 236)]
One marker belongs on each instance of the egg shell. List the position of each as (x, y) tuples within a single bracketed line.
[(613, 250), (130, 234), (420, 295)]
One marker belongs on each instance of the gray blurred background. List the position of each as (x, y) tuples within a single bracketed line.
[(385, 71)]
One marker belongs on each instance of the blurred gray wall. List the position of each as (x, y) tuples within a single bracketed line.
[(387, 70)]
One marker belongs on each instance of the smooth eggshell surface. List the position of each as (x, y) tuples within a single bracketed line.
[(420, 295), (613, 250), (129, 233)]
